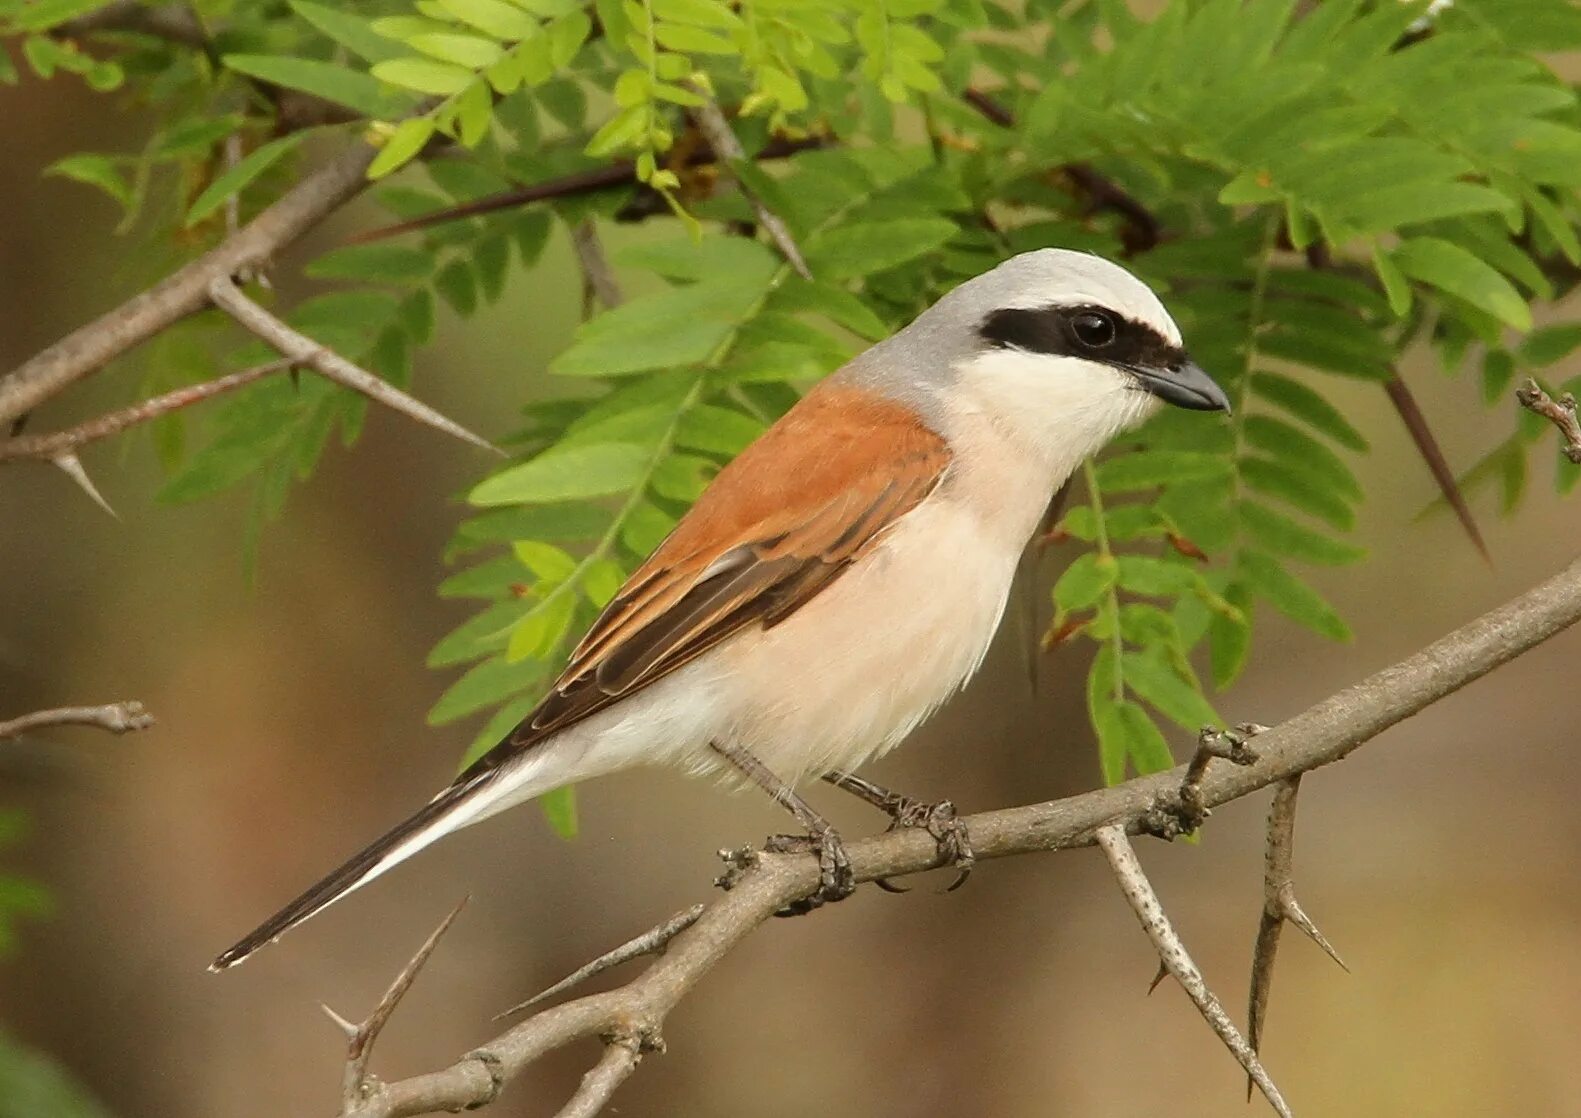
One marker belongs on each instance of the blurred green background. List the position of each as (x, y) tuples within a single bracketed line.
[(1439, 860)]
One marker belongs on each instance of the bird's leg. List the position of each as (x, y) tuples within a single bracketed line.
[(938, 819), (835, 879)]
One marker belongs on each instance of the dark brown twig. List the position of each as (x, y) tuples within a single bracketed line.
[(54, 444), (1279, 905), (1561, 413), (360, 1038), (591, 181), (1427, 446), (118, 718)]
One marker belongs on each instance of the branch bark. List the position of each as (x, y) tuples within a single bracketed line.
[(118, 718), (1321, 735)]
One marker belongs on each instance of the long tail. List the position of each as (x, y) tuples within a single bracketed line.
[(462, 803)]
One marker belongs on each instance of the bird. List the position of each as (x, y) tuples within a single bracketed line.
[(845, 573)]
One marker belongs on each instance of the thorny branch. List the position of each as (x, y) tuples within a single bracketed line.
[(1177, 960), (118, 718), (1279, 905), (1321, 735), (56, 443), (303, 350), (598, 277), (360, 1038), (1561, 413)]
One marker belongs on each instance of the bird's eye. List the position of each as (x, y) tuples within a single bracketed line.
[(1093, 329)]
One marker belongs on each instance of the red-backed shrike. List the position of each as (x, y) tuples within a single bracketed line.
[(846, 573)]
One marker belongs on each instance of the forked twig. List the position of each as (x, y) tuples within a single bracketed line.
[(650, 942), (1279, 905), (303, 350), (118, 718), (1561, 413), (1173, 954), (360, 1038)]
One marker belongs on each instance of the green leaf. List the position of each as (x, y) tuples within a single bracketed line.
[(350, 31), (332, 82), (549, 563), (1084, 581), (559, 809), (1450, 268), (862, 249), (238, 177), (562, 475), (33, 1085), (423, 75), (1146, 469), (493, 17), (1157, 682), (464, 50), (1547, 345), (1283, 536), (489, 682), (1298, 489), (41, 15), (682, 326), (1155, 577), (1309, 406), (716, 430), (1230, 637), (376, 263), (95, 170), (408, 139), (1291, 596)]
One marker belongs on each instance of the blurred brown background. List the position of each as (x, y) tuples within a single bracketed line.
[(1440, 860)]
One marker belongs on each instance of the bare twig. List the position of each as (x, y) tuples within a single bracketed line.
[(118, 718), (711, 121), (1561, 413), (57, 443), (86, 350), (303, 350), (1176, 959), (765, 883), (620, 1059), (1279, 905), (598, 276), (1227, 745), (360, 1038), (650, 942)]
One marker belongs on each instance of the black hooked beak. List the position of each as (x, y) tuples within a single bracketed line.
[(1185, 385)]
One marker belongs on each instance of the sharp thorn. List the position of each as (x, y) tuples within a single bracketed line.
[(1163, 973), (72, 466), (1293, 912), (341, 1023)]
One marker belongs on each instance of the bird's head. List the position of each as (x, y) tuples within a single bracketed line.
[(1063, 348)]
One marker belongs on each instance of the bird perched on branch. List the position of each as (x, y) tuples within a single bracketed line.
[(846, 573)]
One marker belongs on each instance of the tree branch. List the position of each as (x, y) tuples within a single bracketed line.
[(57, 443), (1321, 735), (118, 718), (303, 350), (186, 291)]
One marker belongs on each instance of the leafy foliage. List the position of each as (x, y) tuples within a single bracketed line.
[(1318, 189)]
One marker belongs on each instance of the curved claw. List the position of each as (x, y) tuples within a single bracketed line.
[(890, 887), (836, 880)]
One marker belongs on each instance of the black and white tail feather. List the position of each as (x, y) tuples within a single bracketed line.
[(470, 799)]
